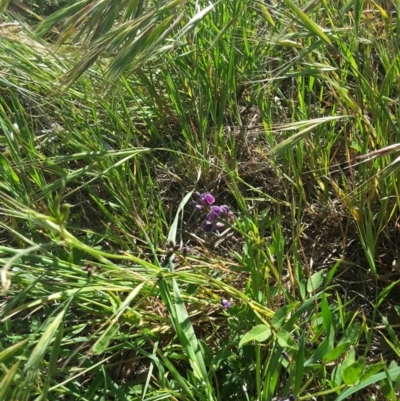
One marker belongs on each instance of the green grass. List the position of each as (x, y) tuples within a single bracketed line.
[(113, 115)]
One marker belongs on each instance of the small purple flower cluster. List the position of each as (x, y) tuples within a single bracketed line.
[(225, 303), (217, 216)]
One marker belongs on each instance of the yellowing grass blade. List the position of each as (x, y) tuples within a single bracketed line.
[(345, 199), (10, 351), (308, 22), (7, 380)]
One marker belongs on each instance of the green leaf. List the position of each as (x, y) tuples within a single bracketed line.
[(102, 343), (308, 22), (352, 373), (337, 375), (298, 380), (336, 352), (52, 369), (393, 376), (196, 19), (174, 226), (332, 271), (305, 307), (258, 333), (188, 337), (372, 380), (10, 351), (38, 352), (285, 340), (281, 314), (351, 334), (326, 314), (385, 292), (372, 370), (350, 358), (321, 351), (7, 381), (315, 281)]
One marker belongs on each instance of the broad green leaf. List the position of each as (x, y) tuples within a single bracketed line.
[(387, 389), (372, 370), (258, 334), (372, 380), (315, 281), (351, 334), (337, 375), (391, 371), (333, 354), (350, 358), (351, 374), (285, 340)]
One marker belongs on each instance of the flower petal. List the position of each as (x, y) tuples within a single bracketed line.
[(207, 226), (208, 199), (225, 303)]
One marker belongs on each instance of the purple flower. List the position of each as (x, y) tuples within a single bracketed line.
[(225, 303), (227, 213), (207, 226), (215, 212), (219, 226), (217, 216), (204, 200), (225, 209)]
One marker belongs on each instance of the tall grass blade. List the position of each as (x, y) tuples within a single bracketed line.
[(6, 382)]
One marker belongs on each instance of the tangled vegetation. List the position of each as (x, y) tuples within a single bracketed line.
[(199, 200)]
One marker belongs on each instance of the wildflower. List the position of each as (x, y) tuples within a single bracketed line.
[(217, 216), (225, 303), (219, 226), (203, 200), (215, 212), (225, 209), (227, 213), (207, 226)]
